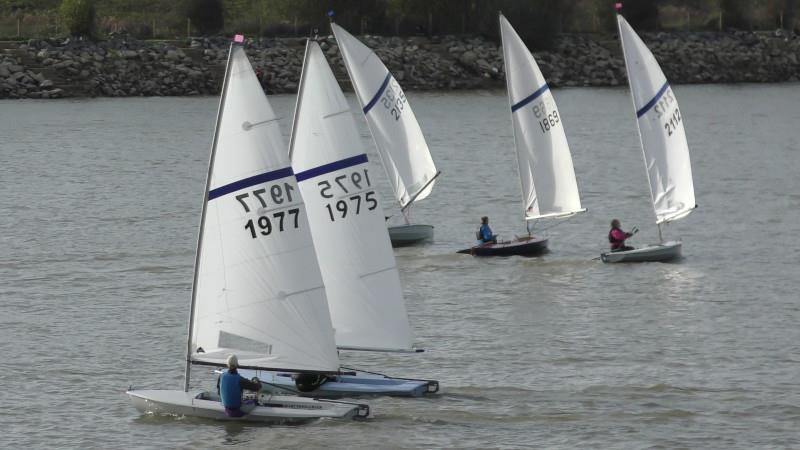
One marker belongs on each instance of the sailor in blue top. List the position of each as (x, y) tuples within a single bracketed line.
[(230, 386), (485, 233)]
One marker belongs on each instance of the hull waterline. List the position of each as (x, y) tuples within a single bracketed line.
[(404, 235), (358, 384), (527, 246), (655, 253), (270, 408)]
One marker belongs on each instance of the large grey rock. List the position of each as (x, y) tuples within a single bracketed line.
[(468, 57)]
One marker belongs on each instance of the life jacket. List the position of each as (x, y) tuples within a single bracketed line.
[(230, 392), (615, 243)]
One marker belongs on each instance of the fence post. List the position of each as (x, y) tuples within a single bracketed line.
[(154, 28), (18, 27), (188, 27), (720, 20)]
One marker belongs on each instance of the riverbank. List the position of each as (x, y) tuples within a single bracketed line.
[(123, 66)]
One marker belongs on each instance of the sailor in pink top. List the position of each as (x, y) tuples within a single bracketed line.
[(616, 237)]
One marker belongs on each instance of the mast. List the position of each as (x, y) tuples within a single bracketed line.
[(238, 39)]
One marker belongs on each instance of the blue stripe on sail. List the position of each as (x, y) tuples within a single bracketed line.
[(378, 94), (652, 102), (530, 98), (331, 167), (252, 181)]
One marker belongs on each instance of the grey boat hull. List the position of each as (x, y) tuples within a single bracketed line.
[(653, 253), (403, 235), (271, 408), (357, 384)]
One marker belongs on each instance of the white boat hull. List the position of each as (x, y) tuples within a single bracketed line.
[(402, 235), (359, 384), (662, 252), (270, 409)]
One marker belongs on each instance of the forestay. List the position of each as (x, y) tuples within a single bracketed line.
[(347, 222), (259, 290), (549, 188), (666, 152), (391, 121)]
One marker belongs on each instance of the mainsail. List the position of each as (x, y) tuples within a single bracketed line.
[(347, 222), (664, 146), (258, 290), (391, 121), (549, 188)]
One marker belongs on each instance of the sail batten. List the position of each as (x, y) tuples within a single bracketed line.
[(547, 176), (347, 222), (393, 125), (258, 291), (662, 136)]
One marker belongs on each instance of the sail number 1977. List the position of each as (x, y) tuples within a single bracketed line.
[(280, 217)]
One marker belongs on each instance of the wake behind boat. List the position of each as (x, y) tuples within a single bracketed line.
[(257, 289), (664, 146)]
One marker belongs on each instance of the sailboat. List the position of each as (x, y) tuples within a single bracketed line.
[(664, 146), (352, 243), (549, 187), (395, 130), (257, 289)]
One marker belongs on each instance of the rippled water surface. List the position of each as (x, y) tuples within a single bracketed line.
[(100, 205)]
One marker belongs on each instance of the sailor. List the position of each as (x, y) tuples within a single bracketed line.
[(308, 382), (616, 237), (230, 386), (485, 233)]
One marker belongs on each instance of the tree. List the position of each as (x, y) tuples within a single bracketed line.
[(733, 15), (206, 15), (641, 14), (78, 17)]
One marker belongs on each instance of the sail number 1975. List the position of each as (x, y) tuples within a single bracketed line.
[(348, 194)]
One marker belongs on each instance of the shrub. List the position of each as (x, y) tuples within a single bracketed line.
[(78, 17)]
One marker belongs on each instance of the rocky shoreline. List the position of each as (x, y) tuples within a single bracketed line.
[(122, 66)]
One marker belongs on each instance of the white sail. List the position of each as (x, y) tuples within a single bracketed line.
[(394, 127), (549, 188), (666, 152), (347, 222), (259, 290)]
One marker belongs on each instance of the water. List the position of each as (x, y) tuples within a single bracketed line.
[(100, 208)]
